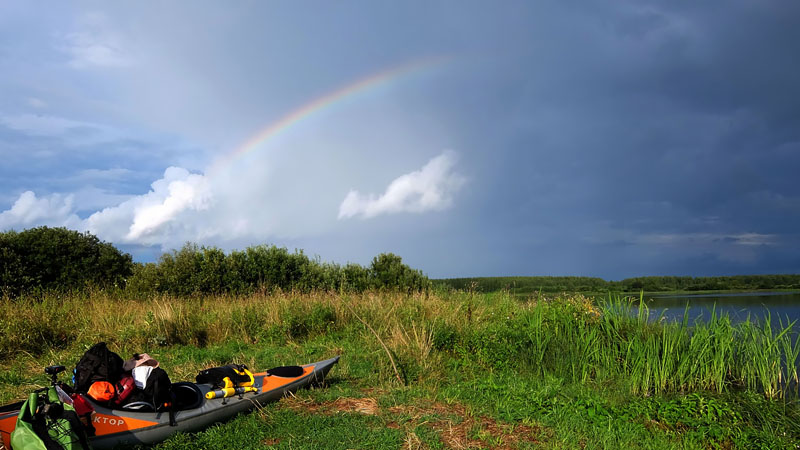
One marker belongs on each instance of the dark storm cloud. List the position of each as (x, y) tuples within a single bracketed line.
[(103, 168), (641, 120)]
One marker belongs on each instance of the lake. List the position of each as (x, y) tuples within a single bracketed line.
[(785, 305)]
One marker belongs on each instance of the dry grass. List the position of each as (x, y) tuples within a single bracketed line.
[(133, 323), (456, 426)]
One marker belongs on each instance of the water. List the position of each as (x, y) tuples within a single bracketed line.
[(783, 305)]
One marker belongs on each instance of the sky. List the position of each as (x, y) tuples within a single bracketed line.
[(607, 139)]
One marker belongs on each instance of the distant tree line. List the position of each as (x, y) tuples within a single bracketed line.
[(46, 258), (524, 285), (734, 282)]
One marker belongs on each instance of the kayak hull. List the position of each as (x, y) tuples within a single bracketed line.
[(123, 427)]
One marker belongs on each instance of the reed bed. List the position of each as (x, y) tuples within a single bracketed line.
[(565, 336), (714, 355)]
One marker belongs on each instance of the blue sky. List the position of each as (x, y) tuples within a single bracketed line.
[(534, 138)]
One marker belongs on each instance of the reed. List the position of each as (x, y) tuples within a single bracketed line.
[(790, 348)]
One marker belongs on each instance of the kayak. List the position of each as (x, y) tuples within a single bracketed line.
[(193, 410)]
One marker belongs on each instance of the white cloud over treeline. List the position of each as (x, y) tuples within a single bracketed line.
[(151, 218), (429, 189), (184, 206), (29, 210)]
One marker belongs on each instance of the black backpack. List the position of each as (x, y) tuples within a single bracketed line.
[(97, 364), (156, 390), (157, 395), (216, 376)]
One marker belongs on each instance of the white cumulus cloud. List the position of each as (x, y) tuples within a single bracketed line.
[(243, 204), (284, 191), (429, 189), (176, 192), (146, 218), (175, 209), (29, 210)]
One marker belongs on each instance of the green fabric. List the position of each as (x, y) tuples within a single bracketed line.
[(52, 396), (25, 438)]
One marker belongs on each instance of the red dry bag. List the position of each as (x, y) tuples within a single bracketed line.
[(125, 387)]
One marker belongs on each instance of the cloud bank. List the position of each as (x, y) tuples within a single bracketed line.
[(144, 218), (184, 206), (429, 189), (30, 210)]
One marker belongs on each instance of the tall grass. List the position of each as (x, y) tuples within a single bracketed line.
[(566, 336), (713, 355)]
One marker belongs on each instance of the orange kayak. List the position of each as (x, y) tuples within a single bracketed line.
[(193, 411)]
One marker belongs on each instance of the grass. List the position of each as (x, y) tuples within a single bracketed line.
[(478, 370)]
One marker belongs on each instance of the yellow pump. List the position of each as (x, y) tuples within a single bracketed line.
[(229, 392)]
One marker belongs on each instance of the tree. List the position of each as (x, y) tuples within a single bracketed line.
[(388, 271), (58, 258)]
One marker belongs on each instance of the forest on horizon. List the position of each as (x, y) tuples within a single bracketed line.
[(61, 259)]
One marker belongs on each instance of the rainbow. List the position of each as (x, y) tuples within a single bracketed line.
[(311, 108)]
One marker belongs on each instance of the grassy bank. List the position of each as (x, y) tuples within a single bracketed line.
[(478, 370)]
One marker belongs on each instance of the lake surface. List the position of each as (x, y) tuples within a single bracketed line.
[(783, 305)]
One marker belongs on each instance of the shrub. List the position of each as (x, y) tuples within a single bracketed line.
[(145, 280), (208, 270), (388, 272), (59, 259), (500, 345)]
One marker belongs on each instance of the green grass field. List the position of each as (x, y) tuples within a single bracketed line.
[(477, 370)]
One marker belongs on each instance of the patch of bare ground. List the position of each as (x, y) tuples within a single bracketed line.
[(456, 426), (366, 405), (459, 429)]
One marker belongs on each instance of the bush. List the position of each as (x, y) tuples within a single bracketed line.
[(500, 345), (59, 259), (208, 270), (388, 272)]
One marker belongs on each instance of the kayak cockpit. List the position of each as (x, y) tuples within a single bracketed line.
[(186, 396)]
